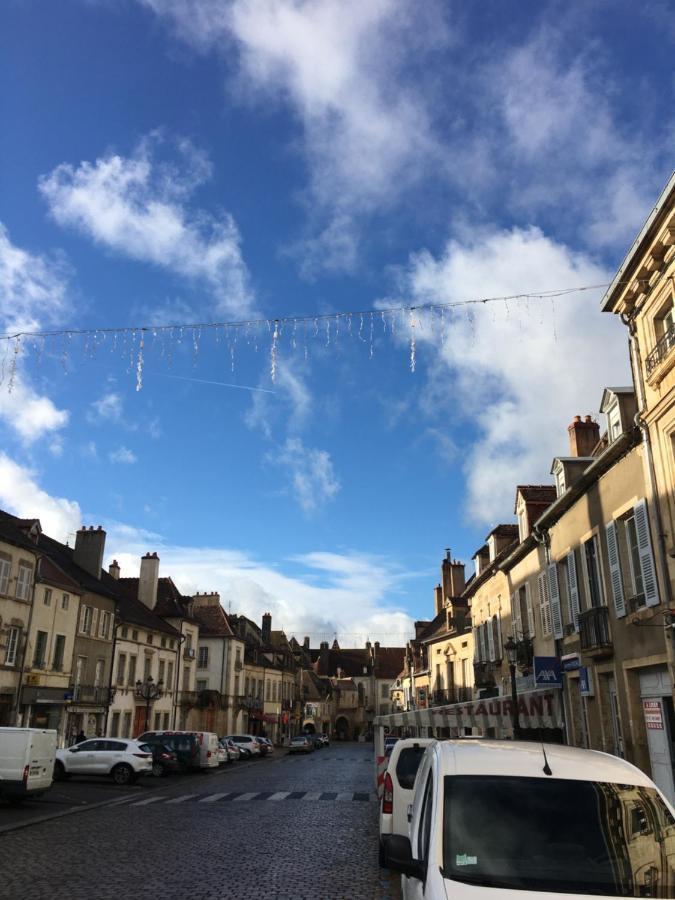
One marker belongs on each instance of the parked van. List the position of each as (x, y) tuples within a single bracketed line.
[(26, 762), (207, 740)]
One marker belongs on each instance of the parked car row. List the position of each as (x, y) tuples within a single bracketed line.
[(477, 818)]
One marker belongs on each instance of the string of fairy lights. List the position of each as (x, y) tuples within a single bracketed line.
[(403, 323)]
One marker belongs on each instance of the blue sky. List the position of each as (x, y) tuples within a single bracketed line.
[(165, 161)]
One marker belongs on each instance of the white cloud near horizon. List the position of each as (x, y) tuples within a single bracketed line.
[(33, 292), (516, 373), (139, 206), (21, 495)]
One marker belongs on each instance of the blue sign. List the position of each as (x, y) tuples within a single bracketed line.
[(585, 682), (547, 671), (571, 662)]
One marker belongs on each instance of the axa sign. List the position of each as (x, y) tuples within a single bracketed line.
[(547, 671)]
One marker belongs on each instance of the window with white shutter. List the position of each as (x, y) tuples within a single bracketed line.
[(498, 636), (530, 611), (615, 569), (23, 581), (11, 646), (491, 641), (516, 624), (476, 648), (572, 589), (644, 540), (554, 595), (5, 571), (544, 605)]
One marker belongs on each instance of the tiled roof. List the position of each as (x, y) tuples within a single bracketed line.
[(537, 493), (353, 661), (212, 621), (507, 530), (389, 661), (51, 574), (170, 601)]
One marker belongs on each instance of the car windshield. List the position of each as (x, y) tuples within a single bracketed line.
[(558, 835)]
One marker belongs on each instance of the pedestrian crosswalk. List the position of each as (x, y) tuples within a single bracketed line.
[(255, 796)]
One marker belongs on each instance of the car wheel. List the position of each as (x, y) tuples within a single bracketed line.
[(123, 774), (60, 773), (157, 769)]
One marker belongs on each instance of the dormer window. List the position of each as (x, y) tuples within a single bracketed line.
[(559, 475)]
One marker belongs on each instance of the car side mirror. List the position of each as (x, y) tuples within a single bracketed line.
[(398, 857)]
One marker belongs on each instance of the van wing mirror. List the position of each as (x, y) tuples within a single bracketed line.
[(398, 857)]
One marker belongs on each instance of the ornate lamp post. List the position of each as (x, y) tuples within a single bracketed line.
[(149, 691), (511, 649)]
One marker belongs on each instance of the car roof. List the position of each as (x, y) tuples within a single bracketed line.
[(526, 759)]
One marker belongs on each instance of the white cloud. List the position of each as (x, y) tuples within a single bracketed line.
[(292, 401), (138, 206), (33, 291), (340, 66), (107, 408), (21, 495), (516, 372), (310, 471), (122, 455)]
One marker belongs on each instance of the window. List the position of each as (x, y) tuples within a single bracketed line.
[(384, 690), (98, 672), (158, 719), (23, 581), (134, 634), (569, 567), (186, 678), (65, 601), (593, 579), (147, 665), (126, 725), (267, 697), (86, 614), (664, 325), (80, 668), (59, 650), (121, 668), (104, 626), (614, 427), (150, 637), (5, 570), (169, 675), (165, 721), (163, 642), (202, 684), (40, 650), (11, 646), (407, 765), (48, 597), (188, 640), (124, 632), (115, 727), (634, 557), (559, 475), (465, 673), (236, 685), (131, 678), (544, 605), (162, 667), (203, 660)]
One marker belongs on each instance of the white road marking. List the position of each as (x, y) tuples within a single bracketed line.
[(280, 795), (248, 796), (345, 795), (312, 796), (180, 799), (214, 797), (148, 801)]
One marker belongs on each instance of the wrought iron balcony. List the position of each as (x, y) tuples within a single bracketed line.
[(483, 674), (594, 631), (662, 348), (441, 698), (90, 693)]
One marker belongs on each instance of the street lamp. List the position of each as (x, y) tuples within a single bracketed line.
[(511, 649), (147, 690)]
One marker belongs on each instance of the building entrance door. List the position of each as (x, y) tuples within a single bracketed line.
[(140, 724), (657, 707)]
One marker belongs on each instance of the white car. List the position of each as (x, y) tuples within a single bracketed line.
[(247, 741), (303, 743), (399, 780), (509, 819), (123, 760)]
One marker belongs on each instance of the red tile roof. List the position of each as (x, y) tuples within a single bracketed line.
[(212, 621)]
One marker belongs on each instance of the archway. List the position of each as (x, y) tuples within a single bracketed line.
[(309, 728), (342, 728)]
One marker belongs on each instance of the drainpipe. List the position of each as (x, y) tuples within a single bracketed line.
[(117, 625), (182, 637), (22, 670)]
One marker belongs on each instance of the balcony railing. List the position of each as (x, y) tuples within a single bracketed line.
[(90, 693), (441, 698), (662, 348), (483, 674), (594, 629)]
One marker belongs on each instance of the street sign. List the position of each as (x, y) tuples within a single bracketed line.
[(653, 714), (585, 682), (570, 662), (547, 671)]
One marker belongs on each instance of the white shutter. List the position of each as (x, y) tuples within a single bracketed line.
[(94, 621), (649, 582), (498, 649), (517, 626), (615, 569), (554, 593), (573, 589), (491, 641), (83, 616), (5, 569), (530, 611), (544, 605)]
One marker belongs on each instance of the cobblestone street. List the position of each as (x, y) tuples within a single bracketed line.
[(293, 827)]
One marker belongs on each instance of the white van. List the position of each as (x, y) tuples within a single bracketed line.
[(26, 762), (207, 740)]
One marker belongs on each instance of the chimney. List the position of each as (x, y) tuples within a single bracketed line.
[(149, 578), (457, 578), (206, 599), (305, 643), (438, 598), (89, 549), (114, 569), (266, 628), (324, 658), (583, 436), (376, 651)]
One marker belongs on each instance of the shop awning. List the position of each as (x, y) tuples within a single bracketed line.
[(536, 709)]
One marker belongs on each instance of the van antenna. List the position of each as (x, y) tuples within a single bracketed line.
[(547, 768)]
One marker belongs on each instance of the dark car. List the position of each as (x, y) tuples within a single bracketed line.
[(185, 746), (164, 760)]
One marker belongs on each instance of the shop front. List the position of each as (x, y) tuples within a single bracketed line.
[(656, 694), (45, 707)]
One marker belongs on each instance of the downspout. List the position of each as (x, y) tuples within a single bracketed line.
[(112, 672), (181, 638), (634, 350), (223, 694), (22, 670)]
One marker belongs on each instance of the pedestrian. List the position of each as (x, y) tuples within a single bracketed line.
[(80, 736)]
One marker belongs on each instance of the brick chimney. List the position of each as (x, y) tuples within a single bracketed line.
[(89, 549), (305, 643), (205, 599), (114, 569), (452, 575), (438, 599), (583, 435), (149, 578), (266, 628)]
